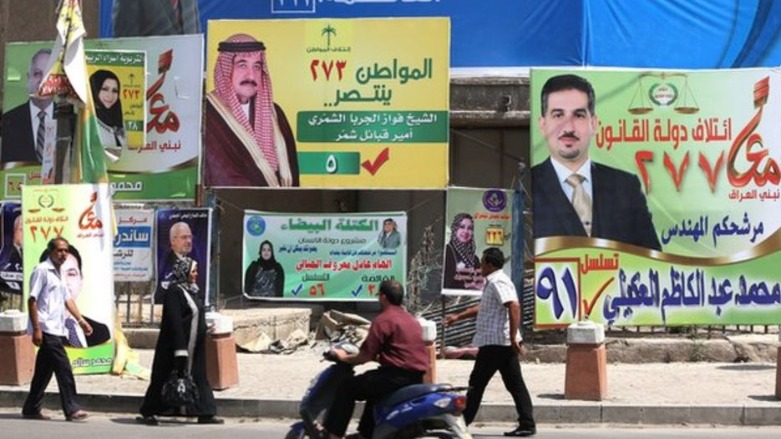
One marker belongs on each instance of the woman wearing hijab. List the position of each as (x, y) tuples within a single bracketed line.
[(108, 108), (181, 347), (462, 266), (265, 276)]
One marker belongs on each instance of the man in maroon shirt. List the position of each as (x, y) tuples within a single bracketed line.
[(395, 341)]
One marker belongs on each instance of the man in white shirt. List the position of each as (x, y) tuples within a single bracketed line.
[(29, 129), (499, 341), (49, 298)]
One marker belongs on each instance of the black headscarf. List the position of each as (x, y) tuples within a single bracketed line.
[(270, 263), (110, 116), (180, 272)]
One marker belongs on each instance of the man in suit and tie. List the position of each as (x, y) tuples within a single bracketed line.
[(143, 18), (573, 195), (30, 127)]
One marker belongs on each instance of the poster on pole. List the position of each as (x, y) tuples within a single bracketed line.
[(80, 213), (183, 233), (158, 83), (133, 245), (334, 257), (476, 220)]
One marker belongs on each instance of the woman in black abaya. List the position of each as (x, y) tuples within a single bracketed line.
[(181, 346)]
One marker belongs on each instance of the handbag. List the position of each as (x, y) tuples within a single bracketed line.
[(179, 390)]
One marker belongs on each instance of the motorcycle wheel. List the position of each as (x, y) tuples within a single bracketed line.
[(294, 434)]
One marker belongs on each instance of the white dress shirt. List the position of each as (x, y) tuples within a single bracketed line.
[(50, 293)]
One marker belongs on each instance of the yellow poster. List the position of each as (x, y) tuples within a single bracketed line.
[(327, 103)]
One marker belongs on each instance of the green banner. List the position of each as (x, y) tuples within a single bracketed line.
[(683, 192), (82, 215), (322, 257), (159, 154)]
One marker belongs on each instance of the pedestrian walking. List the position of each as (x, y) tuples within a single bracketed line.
[(49, 298), (498, 339)]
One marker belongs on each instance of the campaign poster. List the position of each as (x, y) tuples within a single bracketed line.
[(681, 181), (183, 233), (11, 274), (332, 103), (333, 257), (80, 213), (133, 245), (161, 115), (476, 219)]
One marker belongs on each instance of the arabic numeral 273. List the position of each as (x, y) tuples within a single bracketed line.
[(315, 288)]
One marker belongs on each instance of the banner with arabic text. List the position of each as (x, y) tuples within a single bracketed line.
[(133, 245), (330, 257), (80, 213), (700, 149), (161, 105), (475, 220), (358, 104)]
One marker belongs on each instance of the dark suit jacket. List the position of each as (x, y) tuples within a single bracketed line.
[(18, 142), (620, 212), (100, 332), (141, 18)]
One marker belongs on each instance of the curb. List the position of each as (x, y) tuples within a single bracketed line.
[(546, 413)]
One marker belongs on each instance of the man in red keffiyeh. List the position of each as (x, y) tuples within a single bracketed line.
[(249, 141)]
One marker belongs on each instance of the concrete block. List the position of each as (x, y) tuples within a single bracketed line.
[(429, 329), (585, 332), (13, 321), (17, 360), (222, 324)]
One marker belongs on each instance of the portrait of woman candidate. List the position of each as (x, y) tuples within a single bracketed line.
[(106, 92), (264, 277), (462, 266)]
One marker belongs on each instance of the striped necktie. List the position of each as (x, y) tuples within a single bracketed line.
[(40, 134), (73, 335)]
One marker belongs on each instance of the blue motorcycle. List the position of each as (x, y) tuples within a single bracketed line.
[(417, 411)]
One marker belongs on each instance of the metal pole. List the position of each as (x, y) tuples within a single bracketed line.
[(66, 119)]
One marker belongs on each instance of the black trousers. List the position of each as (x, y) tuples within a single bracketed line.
[(371, 387), (489, 360), (52, 359)]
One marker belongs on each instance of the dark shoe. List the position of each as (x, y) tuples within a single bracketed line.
[(522, 431), (147, 420), (36, 416), (210, 420), (77, 416)]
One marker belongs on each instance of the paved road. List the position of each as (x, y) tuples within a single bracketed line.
[(101, 426)]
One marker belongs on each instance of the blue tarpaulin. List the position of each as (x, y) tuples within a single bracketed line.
[(531, 33)]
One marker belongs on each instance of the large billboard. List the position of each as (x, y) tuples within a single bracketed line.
[(327, 103), (673, 218)]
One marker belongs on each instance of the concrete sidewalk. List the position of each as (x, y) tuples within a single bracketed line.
[(651, 393)]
